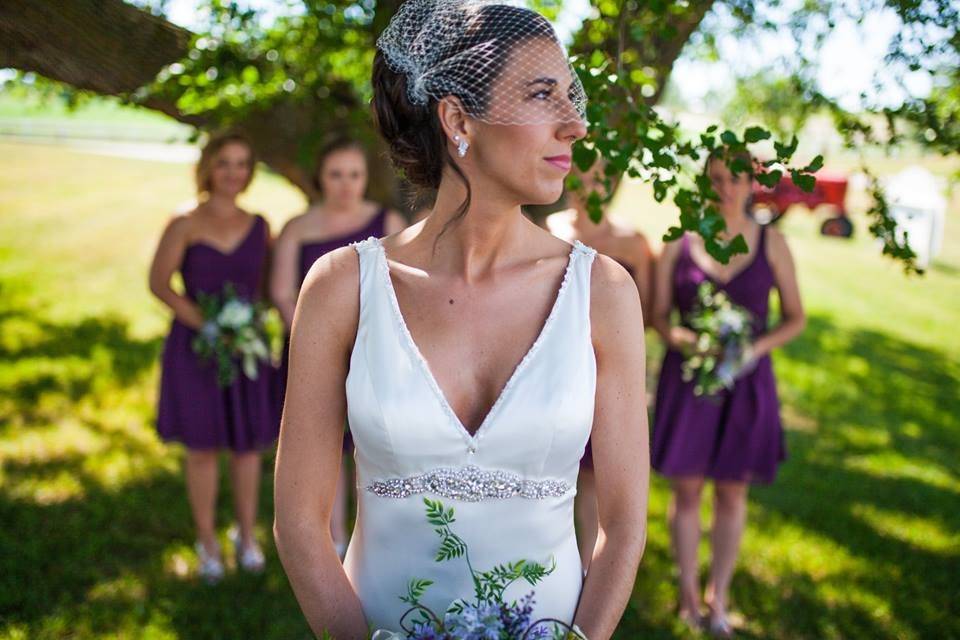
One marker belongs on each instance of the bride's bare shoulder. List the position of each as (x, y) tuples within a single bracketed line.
[(329, 300), (614, 299)]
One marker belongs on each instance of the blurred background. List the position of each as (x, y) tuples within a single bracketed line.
[(858, 538)]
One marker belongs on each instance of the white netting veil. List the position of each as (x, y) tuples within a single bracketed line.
[(503, 60)]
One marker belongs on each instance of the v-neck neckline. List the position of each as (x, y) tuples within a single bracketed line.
[(425, 366), (236, 247), (746, 267)]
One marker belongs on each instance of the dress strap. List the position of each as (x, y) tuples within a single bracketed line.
[(578, 281), (582, 260), (368, 254), (762, 246)]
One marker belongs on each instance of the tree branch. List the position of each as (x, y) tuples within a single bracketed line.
[(105, 46)]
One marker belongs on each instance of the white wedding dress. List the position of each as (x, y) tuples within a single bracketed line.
[(511, 485)]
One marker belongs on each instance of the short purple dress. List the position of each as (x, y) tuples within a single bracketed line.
[(193, 408), (735, 435), (310, 252)]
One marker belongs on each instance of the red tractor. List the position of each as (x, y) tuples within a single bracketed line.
[(830, 190)]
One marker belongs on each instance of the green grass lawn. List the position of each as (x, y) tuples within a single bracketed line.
[(859, 537)]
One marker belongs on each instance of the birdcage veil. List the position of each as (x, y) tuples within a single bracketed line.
[(503, 60)]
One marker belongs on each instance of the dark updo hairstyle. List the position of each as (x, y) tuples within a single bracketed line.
[(417, 144), (340, 143)]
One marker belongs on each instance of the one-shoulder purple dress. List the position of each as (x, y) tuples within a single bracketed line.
[(193, 408), (309, 253), (735, 435)]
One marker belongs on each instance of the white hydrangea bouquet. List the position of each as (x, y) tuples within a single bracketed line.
[(233, 335), (723, 351), (488, 617)]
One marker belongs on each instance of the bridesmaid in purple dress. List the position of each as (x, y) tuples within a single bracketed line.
[(736, 438), (342, 217), (632, 250), (214, 244)]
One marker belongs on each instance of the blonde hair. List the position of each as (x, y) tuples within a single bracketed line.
[(209, 154)]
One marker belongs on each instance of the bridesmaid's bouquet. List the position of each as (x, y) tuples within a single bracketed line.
[(488, 616), (233, 335), (722, 352)]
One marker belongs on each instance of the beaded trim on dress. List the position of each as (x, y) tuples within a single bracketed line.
[(471, 484)]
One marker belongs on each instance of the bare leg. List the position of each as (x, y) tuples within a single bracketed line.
[(730, 514), (685, 530), (245, 474), (201, 472), (338, 515), (585, 510)]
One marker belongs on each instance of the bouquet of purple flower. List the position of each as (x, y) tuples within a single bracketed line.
[(234, 334), (722, 352), (488, 617)]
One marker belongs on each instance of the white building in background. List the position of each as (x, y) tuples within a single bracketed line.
[(919, 208)]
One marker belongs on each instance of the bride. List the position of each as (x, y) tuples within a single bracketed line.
[(473, 354)]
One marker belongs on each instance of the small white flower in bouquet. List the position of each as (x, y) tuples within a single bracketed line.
[(722, 352), (233, 335)]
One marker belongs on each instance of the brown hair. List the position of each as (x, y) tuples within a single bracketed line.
[(333, 146), (418, 146), (727, 155), (209, 153)]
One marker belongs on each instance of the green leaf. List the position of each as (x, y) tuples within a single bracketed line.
[(711, 224), (595, 206), (436, 515), (803, 180), (786, 151), (740, 165), (729, 138), (451, 546), (769, 179), (584, 156), (815, 165), (755, 134), (415, 590), (739, 245), (673, 234)]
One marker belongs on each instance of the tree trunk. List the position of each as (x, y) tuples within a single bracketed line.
[(641, 38)]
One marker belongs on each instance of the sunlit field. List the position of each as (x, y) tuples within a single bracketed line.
[(858, 538)]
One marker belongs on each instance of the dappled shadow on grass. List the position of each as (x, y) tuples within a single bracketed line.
[(50, 366), (883, 410), (104, 562), (916, 584), (793, 608), (96, 558), (870, 391), (97, 535), (879, 431)]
